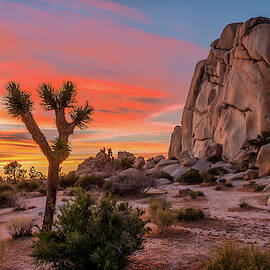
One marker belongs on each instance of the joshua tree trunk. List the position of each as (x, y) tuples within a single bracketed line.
[(52, 184)]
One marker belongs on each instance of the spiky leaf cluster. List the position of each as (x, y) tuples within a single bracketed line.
[(17, 101), (53, 100), (60, 148), (81, 116)]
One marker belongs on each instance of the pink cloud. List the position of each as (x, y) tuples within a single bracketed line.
[(121, 10)]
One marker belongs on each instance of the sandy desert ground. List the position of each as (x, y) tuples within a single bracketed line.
[(185, 245)]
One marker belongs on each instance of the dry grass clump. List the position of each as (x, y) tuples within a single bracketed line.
[(21, 227), (161, 213), (190, 214), (233, 257)]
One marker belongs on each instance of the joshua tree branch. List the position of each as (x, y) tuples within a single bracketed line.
[(37, 135)]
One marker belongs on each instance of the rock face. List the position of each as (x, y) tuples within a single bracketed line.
[(229, 96), (175, 143), (139, 163), (263, 159)]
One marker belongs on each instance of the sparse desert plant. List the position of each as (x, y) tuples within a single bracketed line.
[(21, 227), (162, 174), (243, 204), (20, 205), (161, 213), (218, 187), (163, 218), (2, 250), (189, 214), (89, 181), (208, 178), (231, 256), (8, 199), (6, 187), (217, 171), (194, 194), (29, 185), (129, 185), (68, 180), (156, 203), (190, 177), (90, 235)]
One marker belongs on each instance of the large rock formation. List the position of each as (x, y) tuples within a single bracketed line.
[(175, 143), (228, 103)]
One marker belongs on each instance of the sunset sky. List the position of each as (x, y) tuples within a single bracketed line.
[(132, 59)]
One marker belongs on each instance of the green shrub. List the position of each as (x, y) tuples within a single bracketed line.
[(88, 181), (190, 177), (20, 227), (123, 185), (233, 257), (6, 187), (29, 185), (161, 213), (194, 194), (68, 180), (208, 178), (162, 174), (190, 214), (217, 171), (97, 236), (8, 199)]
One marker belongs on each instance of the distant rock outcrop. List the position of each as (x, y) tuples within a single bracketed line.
[(228, 103)]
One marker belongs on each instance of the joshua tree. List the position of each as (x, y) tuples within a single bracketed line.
[(20, 105)]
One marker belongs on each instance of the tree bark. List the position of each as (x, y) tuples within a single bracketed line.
[(52, 185)]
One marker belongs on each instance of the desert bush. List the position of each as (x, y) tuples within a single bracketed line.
[(194, 194), (189, 214), (124, 163), (208, 178), (217, 171), (29, 185), (68, 180), (88, 181), (162, 174), (20, 204), (21, 227), (8, 199), (190, 177), (161, 213), (2, 249), (42, 190), (233, 257), (91, 235), (163, 219), (218, 187), (6, 187), (243, 204), (129, 185)]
